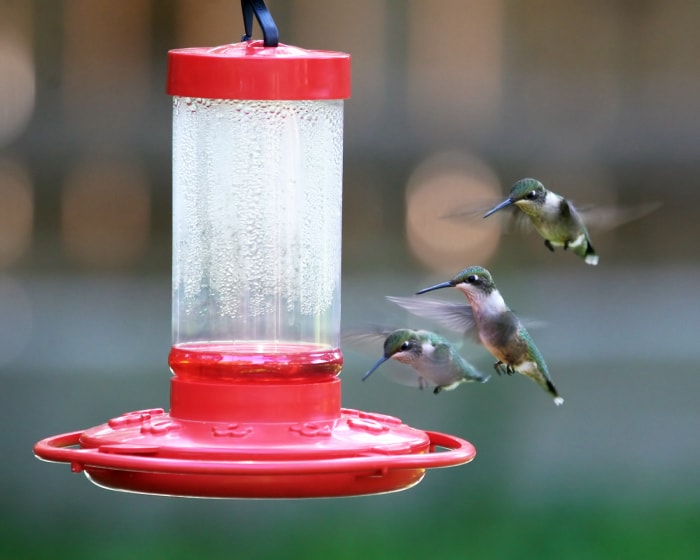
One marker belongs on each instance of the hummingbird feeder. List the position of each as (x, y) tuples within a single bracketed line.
[(255, 396)]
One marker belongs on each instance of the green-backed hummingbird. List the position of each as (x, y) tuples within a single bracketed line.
[(553, 216), (490, 321), (436, 360)]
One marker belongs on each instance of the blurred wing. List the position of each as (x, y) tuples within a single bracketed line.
[(533, 324), (407, 376), (604, 218), (511, 218), (517, 221), (472, 211), (372, 335), (457, 317)]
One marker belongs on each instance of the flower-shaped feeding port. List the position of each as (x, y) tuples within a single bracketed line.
[(256, 394)]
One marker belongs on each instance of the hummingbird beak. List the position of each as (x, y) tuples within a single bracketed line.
[(447, 284), (375, 366), (505, 203)]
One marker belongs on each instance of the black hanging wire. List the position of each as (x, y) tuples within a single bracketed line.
[(262, 14)]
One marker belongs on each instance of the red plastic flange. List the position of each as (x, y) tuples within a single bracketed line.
[(140, 469), (290, 450)]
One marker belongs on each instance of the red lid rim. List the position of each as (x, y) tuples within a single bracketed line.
[(249, 70)]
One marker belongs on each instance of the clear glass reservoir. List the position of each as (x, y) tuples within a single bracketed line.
[(257, 196)]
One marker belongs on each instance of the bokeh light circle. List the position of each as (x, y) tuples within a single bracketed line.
[(441, 185), (17, 90)]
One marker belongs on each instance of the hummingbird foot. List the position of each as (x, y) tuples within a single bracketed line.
[(437, 390), (548, 244), (502, 368)]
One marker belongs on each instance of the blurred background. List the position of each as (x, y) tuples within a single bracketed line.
[(453, 100)]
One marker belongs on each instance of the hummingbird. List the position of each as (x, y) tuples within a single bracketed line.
[(436, 360), (490, 321), (553, 216)]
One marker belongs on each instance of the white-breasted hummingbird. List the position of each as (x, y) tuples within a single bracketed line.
[(553, 216), (490, 321), (435, 360)]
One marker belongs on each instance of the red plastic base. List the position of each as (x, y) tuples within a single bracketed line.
[(255, 441)]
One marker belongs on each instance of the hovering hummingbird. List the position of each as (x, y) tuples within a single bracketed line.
[(436, 361), (554, 218), (490, 321)]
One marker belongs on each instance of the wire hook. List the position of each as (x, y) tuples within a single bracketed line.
[(262, 14)]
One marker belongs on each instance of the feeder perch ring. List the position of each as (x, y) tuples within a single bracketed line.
[(136, 468)]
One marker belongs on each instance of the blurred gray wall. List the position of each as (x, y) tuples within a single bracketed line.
[(600, 100)]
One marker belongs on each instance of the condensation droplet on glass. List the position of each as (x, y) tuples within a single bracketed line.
[(267, 242)]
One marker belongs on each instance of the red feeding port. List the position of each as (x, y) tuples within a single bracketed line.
[(255, 402)]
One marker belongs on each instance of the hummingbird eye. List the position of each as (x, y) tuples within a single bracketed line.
[(532, 195), (474, 279), (405, 346)]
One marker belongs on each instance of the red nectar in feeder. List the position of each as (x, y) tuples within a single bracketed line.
[(255, 362), (255, 392)]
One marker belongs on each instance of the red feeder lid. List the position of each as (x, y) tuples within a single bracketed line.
[(250, 70)]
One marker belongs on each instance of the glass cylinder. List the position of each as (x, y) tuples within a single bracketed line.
[(257, 197)]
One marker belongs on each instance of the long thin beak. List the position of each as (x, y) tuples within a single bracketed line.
[(375, 366), (506, 202), (447, 284)]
